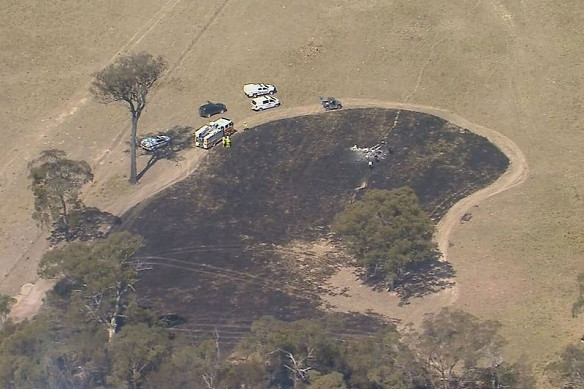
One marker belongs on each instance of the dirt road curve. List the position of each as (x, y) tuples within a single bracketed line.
[(31, 297), (516, 174)]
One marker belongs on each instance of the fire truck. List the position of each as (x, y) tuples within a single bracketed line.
[(211, 134)]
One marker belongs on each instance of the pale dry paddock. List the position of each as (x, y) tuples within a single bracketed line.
[(512, 66)]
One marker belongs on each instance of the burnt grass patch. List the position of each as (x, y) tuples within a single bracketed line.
[(213, 238)]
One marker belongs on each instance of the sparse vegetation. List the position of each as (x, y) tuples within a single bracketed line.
[(568, 371), (6, 303), (578, 306)]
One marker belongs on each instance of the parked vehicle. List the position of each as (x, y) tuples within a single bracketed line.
[(265, 102), (210, 109), (255, 90), (330, 103), (211, 134), (154, 143)]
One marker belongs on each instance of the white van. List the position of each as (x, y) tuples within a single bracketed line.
[(265, 102)]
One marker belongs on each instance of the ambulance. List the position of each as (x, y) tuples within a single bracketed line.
[(211, 134)]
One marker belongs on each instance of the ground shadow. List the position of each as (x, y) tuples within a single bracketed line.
[(87, 223), (181, 139), (417, 279), (422, 278)]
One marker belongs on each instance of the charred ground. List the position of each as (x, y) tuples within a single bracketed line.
[(218, 240)]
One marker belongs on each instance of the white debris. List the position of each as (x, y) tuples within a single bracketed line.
[(370, 154)]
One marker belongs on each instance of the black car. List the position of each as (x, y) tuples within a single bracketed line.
[(210, 109)]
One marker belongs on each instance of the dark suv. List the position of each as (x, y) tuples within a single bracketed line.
[(210, 109)]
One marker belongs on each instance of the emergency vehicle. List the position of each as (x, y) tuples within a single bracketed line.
[(211, 134), (255, 90), (265, 102)]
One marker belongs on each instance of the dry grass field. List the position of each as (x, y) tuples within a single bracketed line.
[(514, 66)]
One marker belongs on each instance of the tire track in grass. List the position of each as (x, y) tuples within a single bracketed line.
[(80, 97), (516, 174)]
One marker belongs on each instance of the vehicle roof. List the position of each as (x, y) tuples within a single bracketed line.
[(262, 98), (155, 137), (221, 121), (209, 103), (248, 86), (203, 129), (212, 133), (153, 140)]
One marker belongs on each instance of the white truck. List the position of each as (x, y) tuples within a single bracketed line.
[(211, 134), (255, 90)]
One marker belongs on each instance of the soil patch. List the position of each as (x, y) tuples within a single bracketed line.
[(221, 241)]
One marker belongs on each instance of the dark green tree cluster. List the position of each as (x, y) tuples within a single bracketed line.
[(443, 354), (386, 230), (51, 353), (99, 274), (56, 183)]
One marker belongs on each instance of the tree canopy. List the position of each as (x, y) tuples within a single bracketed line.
[(56, 183), (453, 345), (102, 272), (138, 350), (305, 354), (66, 346), (128, 80), (386, 229)]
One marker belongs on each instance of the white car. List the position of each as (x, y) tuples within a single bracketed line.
[(255, 90), (154, 143), (264, 102)]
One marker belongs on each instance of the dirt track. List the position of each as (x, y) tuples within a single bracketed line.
[(517, 173), (231, 231), (31, 297)]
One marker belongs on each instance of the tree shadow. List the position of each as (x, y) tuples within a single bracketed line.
[(423, 278), (418, 279), (87, 223), (180, 139)]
